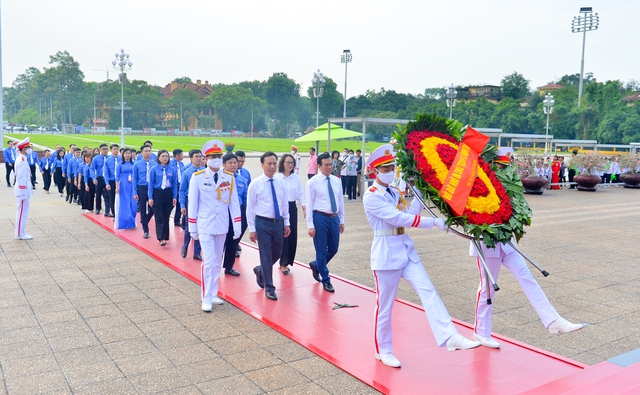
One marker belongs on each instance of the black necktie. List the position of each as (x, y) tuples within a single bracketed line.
[(215, 178), (390, 193)]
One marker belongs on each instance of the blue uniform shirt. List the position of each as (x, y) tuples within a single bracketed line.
[(44, 162), (88, 173), (184, 184), (33, 159), (58, 163), (178, 167), (97, 164), (245, 173), (9, 155), (153, 158), (242, 186), (71, 168), (110, 172), (155, 179), (140, 174)]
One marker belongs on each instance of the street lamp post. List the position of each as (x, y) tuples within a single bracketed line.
[(122, 62), (583, 24), (318, 89), (548, 103), (346, 59), (451, 94)]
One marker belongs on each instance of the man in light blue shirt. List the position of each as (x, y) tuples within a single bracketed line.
[(178, 167)]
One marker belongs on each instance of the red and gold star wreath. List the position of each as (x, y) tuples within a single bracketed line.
[(495, 209)]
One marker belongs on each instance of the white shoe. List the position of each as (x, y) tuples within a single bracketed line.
[(561, 326), (207, 307), (217, 300), (459, 342), (24, 237), (389, 360), (486, 341)]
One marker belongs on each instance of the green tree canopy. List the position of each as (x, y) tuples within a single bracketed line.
[(515, 86)]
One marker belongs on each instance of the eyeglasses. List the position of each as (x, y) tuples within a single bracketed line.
[(288, 163)]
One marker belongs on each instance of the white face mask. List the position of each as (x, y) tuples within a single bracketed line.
[(387, 178), (293, 152), (214, 163), (29, 151)]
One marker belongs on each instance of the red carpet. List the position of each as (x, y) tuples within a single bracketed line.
[(344, 336)]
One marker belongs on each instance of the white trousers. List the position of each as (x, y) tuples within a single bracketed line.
[(212, 249), (518, 267), (21, 216), (386, 287)]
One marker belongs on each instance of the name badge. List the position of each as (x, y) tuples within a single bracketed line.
[(167, 184), (207, 184), (129, 178)]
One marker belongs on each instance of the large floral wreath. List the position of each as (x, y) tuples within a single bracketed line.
[(496, 209)]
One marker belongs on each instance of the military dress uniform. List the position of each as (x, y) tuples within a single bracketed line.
[(23, 191), (209, 207), (393, 256)]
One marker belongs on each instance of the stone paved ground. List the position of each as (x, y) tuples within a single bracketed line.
[(83, 312)]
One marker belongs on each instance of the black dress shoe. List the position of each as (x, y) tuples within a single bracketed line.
[(328, 287), (232, 272), (197, 257), (271, 295), (237, 254), (315, 272), (239, 247), (183, 252), (145, 235), (259, 278), (108, 215)]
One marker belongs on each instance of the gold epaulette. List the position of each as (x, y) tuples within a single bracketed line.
[(198, 172), (228, 172)]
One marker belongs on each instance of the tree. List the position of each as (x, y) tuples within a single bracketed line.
[(515, 86), (190, 103), (234, 105), (183, 80), (65, 77), (281, 94)]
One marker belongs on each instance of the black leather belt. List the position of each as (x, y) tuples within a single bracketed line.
[(325, 214), (267, 219)]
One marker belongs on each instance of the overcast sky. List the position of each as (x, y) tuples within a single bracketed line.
[(404, 45)]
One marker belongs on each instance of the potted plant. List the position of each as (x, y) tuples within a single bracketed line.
[(630, 166), (229, 146), (588, 165), (525, 165)]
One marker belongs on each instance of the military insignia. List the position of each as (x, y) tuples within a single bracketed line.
[(198, 172), (215, 145), (372, 189), (508, 154), (387, 152), (207, 184)]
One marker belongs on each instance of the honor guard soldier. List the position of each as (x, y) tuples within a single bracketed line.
[(393, 256), (22, 189), (212, 199), (505, 255)]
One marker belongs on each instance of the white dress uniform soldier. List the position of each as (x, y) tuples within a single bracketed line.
[(212, 198), (296, 159), (22, 189), (393, 256), (514, 262)]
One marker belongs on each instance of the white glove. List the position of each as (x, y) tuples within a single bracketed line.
[(194, 236), (439, 223), (23, 197), (417, 192), (236, 234)]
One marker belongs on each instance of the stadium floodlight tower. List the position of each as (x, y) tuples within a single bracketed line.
[(583, 24), (123, 64), (451, 95)]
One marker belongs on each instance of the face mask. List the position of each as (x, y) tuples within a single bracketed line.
[(386, 178), (214, 163), (293, 152), (29, 151)]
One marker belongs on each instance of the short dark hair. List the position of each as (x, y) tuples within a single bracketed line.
[(267, 154), (176, 151), (240, 154), (143, 147), (281, 162), (45, 151), (229, 156), (148, 142), (324, 155), (101, 145), (114, 145), (312, 149), (162, 151), (193, 152), (77, 150), (351, 151), (358, 151)]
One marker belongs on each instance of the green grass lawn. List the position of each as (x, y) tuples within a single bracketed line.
[(187, 142)]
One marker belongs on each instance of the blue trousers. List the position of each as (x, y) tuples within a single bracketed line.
[(270, 235), (326, 242)]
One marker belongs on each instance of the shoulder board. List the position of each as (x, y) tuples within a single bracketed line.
[(198, 172), (373, 189), (228, 172)]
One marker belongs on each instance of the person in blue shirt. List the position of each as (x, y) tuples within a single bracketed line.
[(57, 169), (195, 155), (141, 174), (178, 167), (86, 182), (163, 193), (68, 184), (32, 160), (100, 171), (149, 144), (71, 172), (126, 205), (230, 164), (46, 163), (78, 181), (113, 159), (9, 160), (243, 199)]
